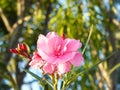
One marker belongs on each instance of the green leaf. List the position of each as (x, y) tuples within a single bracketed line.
[(34, 75), (42, 81), (4, 73), (90, 69)]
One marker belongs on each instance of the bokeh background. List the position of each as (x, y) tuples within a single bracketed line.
[(21, 21)]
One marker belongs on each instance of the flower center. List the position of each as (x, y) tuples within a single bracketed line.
[(58, 51)]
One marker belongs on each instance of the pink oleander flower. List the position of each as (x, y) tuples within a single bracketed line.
[(56, 54)]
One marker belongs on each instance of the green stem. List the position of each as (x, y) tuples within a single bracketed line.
[(114, 68), (55, 86), (64, 85), (91, 29), (55, 81), (49, 83)]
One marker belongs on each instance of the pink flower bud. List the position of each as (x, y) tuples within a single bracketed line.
[(23, 47), (13, 51), (21, 50), (63, 36)]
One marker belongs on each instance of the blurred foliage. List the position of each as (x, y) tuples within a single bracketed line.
[(74, 18)]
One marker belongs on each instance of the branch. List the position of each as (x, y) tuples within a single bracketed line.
[(5, 20), (20, 21), (48, 11), (105, 76), (20, 8), (26, 18), (16, 34)]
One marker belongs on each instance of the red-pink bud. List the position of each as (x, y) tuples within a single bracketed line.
[(21, 50), (18, 47), (23, 47), (63, 36), (13, 51)]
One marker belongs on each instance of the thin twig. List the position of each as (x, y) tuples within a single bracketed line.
[(91, 29), (5, 20), (114, 68)]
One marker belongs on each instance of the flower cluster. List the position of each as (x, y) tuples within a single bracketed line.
[(56, 54)]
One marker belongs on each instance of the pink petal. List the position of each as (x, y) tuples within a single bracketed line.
[(42, 40), (42, 43), (49, 68), (72, 45), (77, 60), (36, 56), (65, 57), (64, 68), (47, 56), (55, 44), (37, 61), (51, 35)]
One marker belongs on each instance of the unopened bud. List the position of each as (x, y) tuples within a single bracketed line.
[(63, 36)]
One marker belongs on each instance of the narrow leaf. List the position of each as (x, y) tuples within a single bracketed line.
[(91, 29), (34, 75), (42, 80), (90, 69)]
